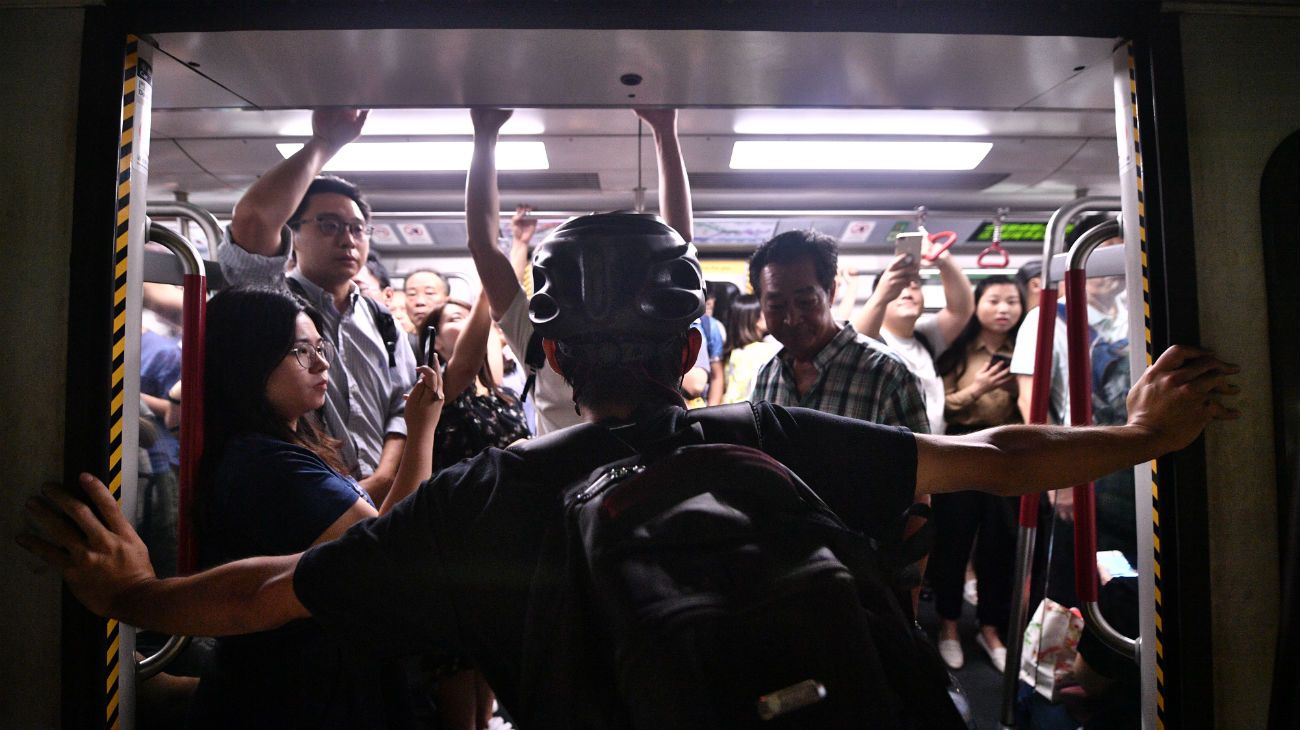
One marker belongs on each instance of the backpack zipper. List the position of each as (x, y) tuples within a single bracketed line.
[(616, 474)]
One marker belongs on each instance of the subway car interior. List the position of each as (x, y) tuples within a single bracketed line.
[(1000, 124)]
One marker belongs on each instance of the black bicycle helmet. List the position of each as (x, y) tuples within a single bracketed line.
[(617, 280)]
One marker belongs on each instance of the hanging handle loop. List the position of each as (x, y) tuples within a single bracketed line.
[(995, 257)]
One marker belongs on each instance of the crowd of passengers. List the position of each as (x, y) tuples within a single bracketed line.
[(331, 395)]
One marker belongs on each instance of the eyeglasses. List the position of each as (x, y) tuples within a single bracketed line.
[(306, 355), (330, 227)]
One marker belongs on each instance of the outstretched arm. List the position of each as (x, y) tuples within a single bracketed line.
[(482, 213), (674, 185), (1171, 404), (107, 568), (260, 214)]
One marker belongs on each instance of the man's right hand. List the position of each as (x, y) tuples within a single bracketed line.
[(1178, 396), (100, 555), (337, 127), (489, 120), (901, 271)]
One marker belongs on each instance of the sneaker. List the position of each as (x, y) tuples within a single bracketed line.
[(950, 650), (997, 656)]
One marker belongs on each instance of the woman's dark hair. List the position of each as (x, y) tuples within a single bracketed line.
[(248, 333), (793, 246), (434, 317), (953, 360), (742, 324), (723, 293)]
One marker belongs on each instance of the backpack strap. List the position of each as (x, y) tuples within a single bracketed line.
[(534, 360)]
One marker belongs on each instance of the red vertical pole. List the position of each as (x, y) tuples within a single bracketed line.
[(192, 337), (1085, 506), (1041, 395)]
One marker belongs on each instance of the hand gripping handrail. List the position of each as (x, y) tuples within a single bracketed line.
[(1085, 502), (193, 317), (200, 217), (1040, 399)]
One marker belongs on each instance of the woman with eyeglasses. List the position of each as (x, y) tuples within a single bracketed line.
[(272, 483)]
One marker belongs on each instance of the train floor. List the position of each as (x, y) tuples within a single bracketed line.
[(982, 683)]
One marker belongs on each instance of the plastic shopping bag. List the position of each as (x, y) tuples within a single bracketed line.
[(1051, 643)]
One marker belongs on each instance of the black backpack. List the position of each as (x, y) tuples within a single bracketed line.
[(707, 586)]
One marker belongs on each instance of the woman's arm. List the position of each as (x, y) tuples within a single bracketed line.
[(482, 214), (471, 348), (423, 409)]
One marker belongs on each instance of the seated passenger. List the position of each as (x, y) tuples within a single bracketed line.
[(457, 563), (272, 483)]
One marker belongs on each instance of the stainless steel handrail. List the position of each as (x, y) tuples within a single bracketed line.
[(1081, 415), (192, 265), (206, 222), (1053, 241)]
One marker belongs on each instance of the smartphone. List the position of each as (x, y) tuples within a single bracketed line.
[(1004, 359), (910, 244), (1114, 562), (430, 333)]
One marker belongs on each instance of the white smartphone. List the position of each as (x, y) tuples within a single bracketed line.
[(910, 244)]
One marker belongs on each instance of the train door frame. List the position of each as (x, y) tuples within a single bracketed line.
[(1184, 637)]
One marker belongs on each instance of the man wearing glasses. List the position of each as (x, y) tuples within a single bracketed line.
[(324, 222)]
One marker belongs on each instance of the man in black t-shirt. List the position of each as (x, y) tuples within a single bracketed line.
[(615, 296)]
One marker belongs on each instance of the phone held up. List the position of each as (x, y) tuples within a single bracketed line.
[(430, 334), (910, 244)]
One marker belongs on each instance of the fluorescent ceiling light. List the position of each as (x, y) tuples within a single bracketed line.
[(856, 155), (937, 123), (426, 156), (420, 123)]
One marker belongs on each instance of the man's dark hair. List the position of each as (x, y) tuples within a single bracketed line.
[(330, 184), (1032, 269), (653, 379), (438, 274), (792, 246), (378, 270)]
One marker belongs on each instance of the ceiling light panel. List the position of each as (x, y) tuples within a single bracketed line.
[(421, 122), (426, 156), (856, 155), (935, 122)]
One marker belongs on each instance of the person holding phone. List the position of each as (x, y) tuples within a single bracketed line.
[(980, 392)]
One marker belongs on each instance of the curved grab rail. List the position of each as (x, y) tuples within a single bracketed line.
[(1085, 502), (194, 315), (1039, 401), (200, 217)]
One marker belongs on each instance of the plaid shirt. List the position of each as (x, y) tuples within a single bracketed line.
[(857, 377)]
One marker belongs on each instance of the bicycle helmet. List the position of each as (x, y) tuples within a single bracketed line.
[(610, 286)]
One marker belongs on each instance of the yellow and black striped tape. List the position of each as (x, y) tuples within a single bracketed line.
[(121, 236), (1146, 318)]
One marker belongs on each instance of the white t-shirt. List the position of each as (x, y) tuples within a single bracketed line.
[(920, 362), (1022, 362), (553, 396), (1111, 329)]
